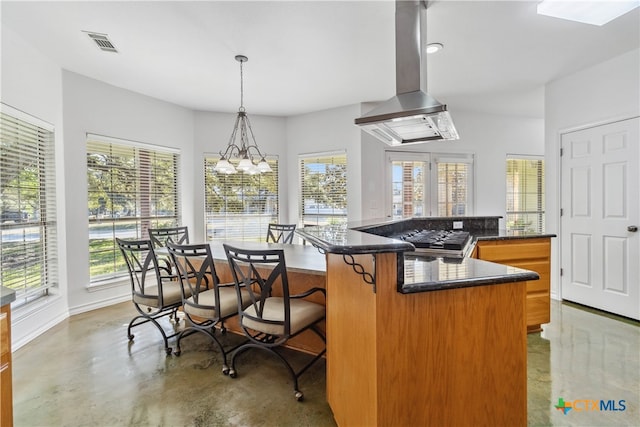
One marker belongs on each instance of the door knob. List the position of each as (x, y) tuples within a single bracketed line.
[(632, 228)]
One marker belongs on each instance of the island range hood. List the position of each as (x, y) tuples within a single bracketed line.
[(412, 116)]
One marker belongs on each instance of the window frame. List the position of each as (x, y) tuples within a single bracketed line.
[(404, 156), (433, 159), (334, 216), (234, 225), (451, 158), (37, 138), (540, 212), (142, 196)]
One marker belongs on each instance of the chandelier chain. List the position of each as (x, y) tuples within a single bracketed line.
[(241, 87)]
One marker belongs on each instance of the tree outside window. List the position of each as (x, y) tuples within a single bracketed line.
[(28, 248), (323, 183), (240, 206), (131, 188)]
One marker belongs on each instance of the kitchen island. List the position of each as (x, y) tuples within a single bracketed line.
[(415, 341), (521, 248)]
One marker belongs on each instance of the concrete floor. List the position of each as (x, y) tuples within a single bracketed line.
[(84, 372)]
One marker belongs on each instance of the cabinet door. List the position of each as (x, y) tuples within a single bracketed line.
[(6, 394), (529, 254)]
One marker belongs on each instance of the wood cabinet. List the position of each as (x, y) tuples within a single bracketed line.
[(454, 357), (6, 393), (531, 254)]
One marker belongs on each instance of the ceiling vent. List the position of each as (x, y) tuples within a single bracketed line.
[(102, 41)]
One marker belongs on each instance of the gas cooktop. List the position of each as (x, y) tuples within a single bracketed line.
[(446, 243)]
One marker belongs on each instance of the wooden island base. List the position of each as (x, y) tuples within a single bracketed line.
[(453, 357)]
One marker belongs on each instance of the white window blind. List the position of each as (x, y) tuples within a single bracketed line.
[(323, 184), (240, 206), (28, 251), (525, 193), (131, 187)]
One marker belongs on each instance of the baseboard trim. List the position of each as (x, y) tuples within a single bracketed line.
[(99, 304)]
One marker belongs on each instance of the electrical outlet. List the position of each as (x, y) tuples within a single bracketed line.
[(458, 225)]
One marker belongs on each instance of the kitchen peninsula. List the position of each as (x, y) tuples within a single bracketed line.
[(421, 341), (518, 248)]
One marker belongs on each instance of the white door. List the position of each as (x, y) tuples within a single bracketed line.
[(600, 242)]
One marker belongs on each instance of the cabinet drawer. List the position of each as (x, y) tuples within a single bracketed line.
[(508, 251), (541, 285), (540, 267), (538, 309)]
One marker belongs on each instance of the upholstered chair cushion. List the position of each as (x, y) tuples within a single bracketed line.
[(228, 303), (303, 313), (170, 291)]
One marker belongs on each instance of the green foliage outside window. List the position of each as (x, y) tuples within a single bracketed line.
[(130, 189), (240, 206)]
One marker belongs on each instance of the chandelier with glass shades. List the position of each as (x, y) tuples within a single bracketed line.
[(246, 150)]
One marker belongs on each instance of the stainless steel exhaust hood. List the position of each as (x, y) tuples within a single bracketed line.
[(412, 116)]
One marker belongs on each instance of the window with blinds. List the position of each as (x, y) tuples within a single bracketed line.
[(131, 187), (525, 194), (323, 184), (454, 186), (28, 252), (240, 206)]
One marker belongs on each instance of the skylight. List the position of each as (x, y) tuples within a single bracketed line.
[(588, 12)]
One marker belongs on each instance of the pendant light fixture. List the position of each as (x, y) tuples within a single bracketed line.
[(246, 150)]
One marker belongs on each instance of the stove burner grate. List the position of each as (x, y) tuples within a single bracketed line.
[(455, 240)]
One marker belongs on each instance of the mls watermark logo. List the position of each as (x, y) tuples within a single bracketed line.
[(584, 405)]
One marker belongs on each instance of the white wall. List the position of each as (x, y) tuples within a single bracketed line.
[(77, 105), (325, 131), (211, 135), (31, 83), (605, 92), (94, 107), (488, 137)]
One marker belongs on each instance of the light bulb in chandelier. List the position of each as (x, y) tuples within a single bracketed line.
[(245, 164), (223, 166), (263, 166)]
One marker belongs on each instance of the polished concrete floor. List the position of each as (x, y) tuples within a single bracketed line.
[(84, 372)]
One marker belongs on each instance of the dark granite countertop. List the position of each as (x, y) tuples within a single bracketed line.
[(356, 237), (422, 274), (7, 296), (434, 274), (340, 239)]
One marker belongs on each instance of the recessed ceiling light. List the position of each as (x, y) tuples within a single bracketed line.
[(588, 12), (434, 47)]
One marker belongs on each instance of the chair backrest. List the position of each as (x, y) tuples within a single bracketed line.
[(280, 233), (260, 272), (142, 263), (160, 236), (197, 272)]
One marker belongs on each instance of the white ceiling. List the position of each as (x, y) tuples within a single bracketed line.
[(312, 55)]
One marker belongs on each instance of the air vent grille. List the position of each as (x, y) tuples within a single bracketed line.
[(102, 41)]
